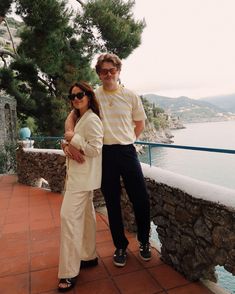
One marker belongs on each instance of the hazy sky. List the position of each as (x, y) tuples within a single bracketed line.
[(188, 48)]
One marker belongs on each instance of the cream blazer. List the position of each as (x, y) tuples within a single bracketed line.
[(88, 137)]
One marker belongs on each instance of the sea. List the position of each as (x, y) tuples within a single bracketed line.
[(216, 168)]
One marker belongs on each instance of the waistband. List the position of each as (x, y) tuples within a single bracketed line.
[(116, 146)]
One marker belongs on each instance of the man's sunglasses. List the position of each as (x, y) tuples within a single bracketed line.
[(105, 71), (79, 95)]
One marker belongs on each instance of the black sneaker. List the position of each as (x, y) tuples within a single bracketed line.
[(145, 251), (119, 257), (89, 263)]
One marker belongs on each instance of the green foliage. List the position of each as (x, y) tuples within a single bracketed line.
[(57, 47), (4, 7), (55, 112), (47, 143), (8, 158), (25, 70), (30, 123), (3, 160), (113, 20), (160, 122), (14, 23), (2, 32)]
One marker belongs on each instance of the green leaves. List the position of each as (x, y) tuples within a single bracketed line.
[(113, 25), (57, 48), (4, 7)]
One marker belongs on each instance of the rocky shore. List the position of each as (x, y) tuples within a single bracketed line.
[(162, 135)]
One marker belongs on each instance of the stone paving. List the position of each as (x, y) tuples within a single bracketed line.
[(29, 250)]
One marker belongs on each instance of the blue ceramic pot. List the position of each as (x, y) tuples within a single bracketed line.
[(24, 133)]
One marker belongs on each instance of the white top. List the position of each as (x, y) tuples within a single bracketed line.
[(119, 109), (88, 137), (193, 187)]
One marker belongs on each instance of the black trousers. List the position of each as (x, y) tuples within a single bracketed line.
[(122, 160)]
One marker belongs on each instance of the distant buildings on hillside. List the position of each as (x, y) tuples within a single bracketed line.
[(5, 40), (4, 34)]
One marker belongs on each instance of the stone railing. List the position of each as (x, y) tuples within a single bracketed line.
[(34, 164), (195, 223), (195, 220)]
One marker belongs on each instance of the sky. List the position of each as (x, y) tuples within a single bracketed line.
[(187, 48)]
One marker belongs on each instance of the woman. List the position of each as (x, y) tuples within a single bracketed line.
[(78, 224)]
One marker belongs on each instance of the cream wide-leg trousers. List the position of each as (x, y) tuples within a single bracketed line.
[(78, 232)]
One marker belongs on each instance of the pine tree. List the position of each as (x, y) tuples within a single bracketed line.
[(57, 48)]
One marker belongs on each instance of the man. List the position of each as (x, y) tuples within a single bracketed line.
[(123, 119)]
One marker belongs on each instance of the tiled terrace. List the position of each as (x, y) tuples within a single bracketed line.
[(29, 249)]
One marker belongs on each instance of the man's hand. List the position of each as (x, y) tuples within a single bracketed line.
[(139, 127), (70, 121), (75, 153)]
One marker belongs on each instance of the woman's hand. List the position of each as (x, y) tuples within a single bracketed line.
[(76, 154), (63, 144)]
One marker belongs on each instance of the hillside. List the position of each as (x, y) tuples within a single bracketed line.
[(158, 124), (15, 26), (189, 110), (225, 102)]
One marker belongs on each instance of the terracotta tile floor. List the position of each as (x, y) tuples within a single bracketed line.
[(29, 250)]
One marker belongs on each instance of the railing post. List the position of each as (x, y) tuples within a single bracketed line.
[(150, 156)]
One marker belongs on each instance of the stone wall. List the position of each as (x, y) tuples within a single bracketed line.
[(36, 164), (195, 234), (7, 119)]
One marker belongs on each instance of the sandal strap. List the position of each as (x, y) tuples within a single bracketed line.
[(68, 281)]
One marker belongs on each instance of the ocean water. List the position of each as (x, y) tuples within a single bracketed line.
[(217, 168)]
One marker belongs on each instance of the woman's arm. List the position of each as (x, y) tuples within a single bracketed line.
[(92, 144), (68, 149)]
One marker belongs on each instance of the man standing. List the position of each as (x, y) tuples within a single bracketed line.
[(123, 119)]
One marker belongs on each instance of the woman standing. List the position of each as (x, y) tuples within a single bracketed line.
[(78, 223)]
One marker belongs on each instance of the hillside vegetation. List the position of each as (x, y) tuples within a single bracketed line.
[(158, 124), (189, 110), (156, 115)]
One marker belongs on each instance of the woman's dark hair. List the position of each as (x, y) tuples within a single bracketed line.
[(93, 103)]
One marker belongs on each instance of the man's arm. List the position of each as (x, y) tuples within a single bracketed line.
[(70, 150), (70, 121), (139, 127)]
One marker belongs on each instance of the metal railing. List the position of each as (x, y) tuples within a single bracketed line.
[(45, 142), (56, 142), (207, 149)]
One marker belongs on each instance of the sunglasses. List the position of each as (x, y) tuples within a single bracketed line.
[(105, 71), (79, 95)]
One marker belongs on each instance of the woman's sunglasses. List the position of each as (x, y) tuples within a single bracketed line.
[(79, 95)]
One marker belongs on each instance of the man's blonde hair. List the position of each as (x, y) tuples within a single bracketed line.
[(108, 57)]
